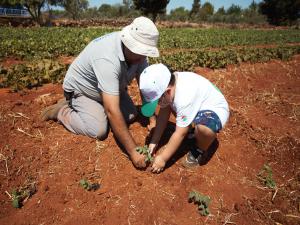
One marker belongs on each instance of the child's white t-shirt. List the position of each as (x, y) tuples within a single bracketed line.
[(194, 93)]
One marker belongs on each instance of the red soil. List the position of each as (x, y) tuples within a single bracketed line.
[(264, 128)]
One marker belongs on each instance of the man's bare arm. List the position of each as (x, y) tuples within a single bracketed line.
[(112, 107)]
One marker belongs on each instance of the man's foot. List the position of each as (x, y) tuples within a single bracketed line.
[(51, 112), (193, 158)]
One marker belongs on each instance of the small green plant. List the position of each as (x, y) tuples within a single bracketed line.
[(89, 186), (265, 176), (201, 200), (16, 199), (145, 151), (19, 195)]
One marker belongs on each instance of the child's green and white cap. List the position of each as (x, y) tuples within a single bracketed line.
[(154, 81)]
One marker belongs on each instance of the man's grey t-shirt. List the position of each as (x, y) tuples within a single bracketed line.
[(101, 67)]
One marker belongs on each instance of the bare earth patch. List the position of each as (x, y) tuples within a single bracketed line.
[(264, 128)]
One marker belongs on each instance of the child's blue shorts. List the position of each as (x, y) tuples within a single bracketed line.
[(209, 119)]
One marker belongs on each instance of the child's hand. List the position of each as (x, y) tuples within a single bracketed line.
[(158, 164)]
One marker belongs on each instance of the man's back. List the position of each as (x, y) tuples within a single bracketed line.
[(97, 68)]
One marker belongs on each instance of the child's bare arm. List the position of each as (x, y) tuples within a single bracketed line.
[(173, 144), (161, 123)]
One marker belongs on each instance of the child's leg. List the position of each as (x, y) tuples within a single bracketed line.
[(207, 124), (204, 136)]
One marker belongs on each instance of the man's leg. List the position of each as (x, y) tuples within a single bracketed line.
[(85, 116), (51, 112)]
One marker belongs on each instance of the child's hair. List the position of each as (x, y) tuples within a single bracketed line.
[(172, 80)]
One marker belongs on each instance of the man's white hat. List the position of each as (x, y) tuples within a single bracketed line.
[(141, 37), (154, 81)]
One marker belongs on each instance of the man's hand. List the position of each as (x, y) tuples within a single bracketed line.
[(158, 164), (120, 129), (138, 159)]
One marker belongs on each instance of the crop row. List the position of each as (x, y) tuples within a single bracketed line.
[(38, 72), (32, 74), (45, 42), (188, 60), (218, 38), (48, 43)]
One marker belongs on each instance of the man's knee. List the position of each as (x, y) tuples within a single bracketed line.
[(99, 131), (103, 135)]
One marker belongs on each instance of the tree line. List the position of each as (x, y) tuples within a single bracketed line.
[(275, 12)]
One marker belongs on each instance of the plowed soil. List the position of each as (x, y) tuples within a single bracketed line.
[(264, 129)]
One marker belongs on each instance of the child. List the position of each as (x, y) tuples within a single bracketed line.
[(194, 99)]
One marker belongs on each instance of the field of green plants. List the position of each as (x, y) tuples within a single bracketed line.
[(181, 48)]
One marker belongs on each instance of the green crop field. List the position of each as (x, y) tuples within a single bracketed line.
[(52, 42), (181, 48)]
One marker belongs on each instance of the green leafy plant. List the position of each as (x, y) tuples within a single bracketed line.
[(265, 176), (32, 74), (201, 200), (18, 196), (89, 186), (45, 42), (184, 49), (145, 151)]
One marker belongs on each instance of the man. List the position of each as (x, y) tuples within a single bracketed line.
[(95, 85)]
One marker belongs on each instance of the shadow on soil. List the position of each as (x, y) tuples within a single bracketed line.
[(186, 145)]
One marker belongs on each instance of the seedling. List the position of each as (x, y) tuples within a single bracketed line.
[(89, 186), (265, 176), (145, 151), (18, 196), (201, 200)]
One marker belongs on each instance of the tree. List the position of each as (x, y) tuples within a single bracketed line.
[(153, 7), (125, 8), (34, 7), (281, 12), (128, 4), (253, 7), (106, 10), (180, 14), (113, 11), (251, 14), (90, 13), (195, 8), (11, 3), (234, 14), (219, 16), (206, 10), (234, 10), (74, 7), (221, 11)]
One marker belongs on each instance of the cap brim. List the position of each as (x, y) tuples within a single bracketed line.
[(148, 108), (137, 47)]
